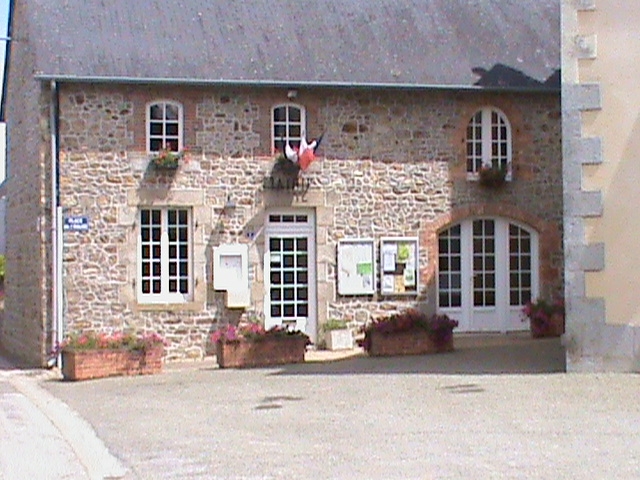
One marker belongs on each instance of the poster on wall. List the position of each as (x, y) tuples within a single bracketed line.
[(399, 260), (356, 267)]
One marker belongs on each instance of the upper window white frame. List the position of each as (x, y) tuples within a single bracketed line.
[(165, 120), (288, 125), (488, 141)]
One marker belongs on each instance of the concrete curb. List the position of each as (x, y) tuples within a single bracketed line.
[(88, 448)]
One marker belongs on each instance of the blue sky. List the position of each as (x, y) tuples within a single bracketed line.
[(4, 15)]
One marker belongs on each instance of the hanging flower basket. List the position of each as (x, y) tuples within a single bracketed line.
[(492, 177)]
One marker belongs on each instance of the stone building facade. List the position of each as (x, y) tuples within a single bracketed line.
[(393, 163), (407, 127)]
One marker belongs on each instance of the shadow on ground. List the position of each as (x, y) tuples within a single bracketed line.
[(526, 357)]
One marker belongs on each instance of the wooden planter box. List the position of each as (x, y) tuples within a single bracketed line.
[(261, 353), (415, 342), (87, 364), (555, 328)]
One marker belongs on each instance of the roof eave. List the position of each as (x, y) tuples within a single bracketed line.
[(288, 84)]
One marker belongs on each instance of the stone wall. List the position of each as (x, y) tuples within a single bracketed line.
[(393, 163)]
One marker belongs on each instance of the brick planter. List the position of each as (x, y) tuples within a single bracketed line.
[(413, 342), (554, 328), (88, 364), (261, 353)]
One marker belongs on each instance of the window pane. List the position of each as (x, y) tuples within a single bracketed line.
[(155, 145), (294, 114), (156, 112), (172, 129), (279, 114), (156, 128), (172, 112), (295, 131)]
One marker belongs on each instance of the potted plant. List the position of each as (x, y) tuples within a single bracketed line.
[(250, 345), (546, 318), (492, 176), (337, 335), (167, 159), (410, 332), (95, 355)]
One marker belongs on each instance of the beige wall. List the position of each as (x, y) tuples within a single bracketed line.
[(616, 67)]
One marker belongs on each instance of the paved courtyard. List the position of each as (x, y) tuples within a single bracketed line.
[(480, 412)]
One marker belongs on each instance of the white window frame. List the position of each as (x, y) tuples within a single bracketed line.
[(165, 296), (487, 157), (292, 140), (164, 137)]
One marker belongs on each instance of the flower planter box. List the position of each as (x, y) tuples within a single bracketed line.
[(88, 364), (263, 352), (339, 339), (554, 328), (412, 342)]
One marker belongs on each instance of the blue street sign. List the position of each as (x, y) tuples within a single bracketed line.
[(80, 224)]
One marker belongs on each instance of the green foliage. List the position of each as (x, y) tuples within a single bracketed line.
[(334, 324), (2, 266)]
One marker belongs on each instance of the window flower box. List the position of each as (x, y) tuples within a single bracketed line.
[(167, 160), (492, 176)]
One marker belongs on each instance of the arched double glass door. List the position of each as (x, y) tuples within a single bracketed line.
[(487, 270)]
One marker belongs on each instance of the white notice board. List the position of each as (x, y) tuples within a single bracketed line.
[(356, 267)]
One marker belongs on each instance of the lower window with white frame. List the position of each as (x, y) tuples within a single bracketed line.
[(164, 256)]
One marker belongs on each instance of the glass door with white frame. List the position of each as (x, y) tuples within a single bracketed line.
[(290, 273), (487, 270)]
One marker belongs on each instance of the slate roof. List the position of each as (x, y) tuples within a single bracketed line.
[(419, 43)]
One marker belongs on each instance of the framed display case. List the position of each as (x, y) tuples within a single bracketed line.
[(399, 259), (356, 267)]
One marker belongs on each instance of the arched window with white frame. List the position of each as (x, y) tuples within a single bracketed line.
[(164, 126), (287, 126), (488, 141)]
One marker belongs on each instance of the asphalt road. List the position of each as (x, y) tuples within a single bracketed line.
[(476, 413)]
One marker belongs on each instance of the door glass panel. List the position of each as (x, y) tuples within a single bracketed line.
[(519, 266), (449, 268), (484, 271), (289, 287)]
